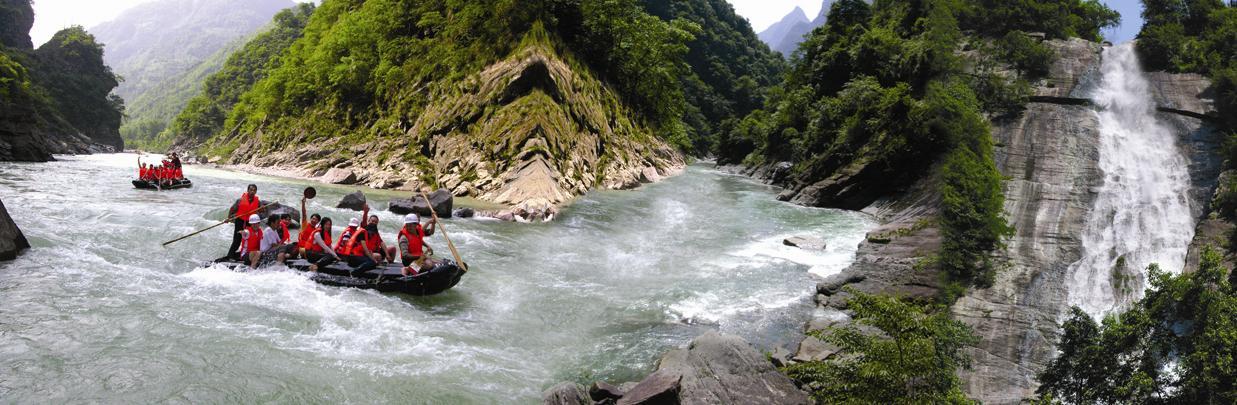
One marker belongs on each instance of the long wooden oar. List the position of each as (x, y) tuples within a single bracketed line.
[(439, 226), (310, 192)]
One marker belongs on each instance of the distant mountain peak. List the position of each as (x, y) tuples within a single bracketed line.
[(785, 35)]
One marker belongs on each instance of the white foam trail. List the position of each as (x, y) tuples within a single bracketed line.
[(1141, 212), (713, 309), (837, 255), (344, 325)]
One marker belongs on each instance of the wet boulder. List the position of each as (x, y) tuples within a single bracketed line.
[(354, 201), (602, 391), (12, 241), (280, 209), (805, 242), (724, 369), (567, 393), (661, 387), (440, 200), (465, 213), (339, 176)]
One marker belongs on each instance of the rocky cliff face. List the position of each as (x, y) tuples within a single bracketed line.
[(1049, 156), (528, 132), (53, 99)]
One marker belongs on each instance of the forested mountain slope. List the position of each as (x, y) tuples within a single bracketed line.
[(159, 48)]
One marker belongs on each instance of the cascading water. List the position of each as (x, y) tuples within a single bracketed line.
[(1140, 215)]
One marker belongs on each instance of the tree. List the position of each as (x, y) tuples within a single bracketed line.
[(908, 354), (1176, 345)]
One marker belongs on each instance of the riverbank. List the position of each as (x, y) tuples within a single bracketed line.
[(528, 211)]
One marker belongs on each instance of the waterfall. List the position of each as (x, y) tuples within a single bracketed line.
[(1141, 214)]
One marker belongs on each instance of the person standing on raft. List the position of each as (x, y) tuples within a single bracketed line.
[(246, 206)]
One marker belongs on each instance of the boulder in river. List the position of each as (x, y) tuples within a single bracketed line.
[(355, 201), (661, 387), (441, 200), (339, 176), (465, 213), (280, 209), (601, 391), (724, 369), (275, 208), (714, 369), (805, 242), (567, 393), (12, 241)]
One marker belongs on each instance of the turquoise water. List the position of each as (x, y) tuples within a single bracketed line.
[(97, 311)]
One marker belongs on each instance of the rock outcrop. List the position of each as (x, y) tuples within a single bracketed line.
[(1049, 156), (12, 241), (528, 132), (714, 369)]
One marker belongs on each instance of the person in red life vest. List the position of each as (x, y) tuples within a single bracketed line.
[(373, 240), (411, 243), (251, 237), (304, 237), (319, 250), (351, 248), (247, 205)]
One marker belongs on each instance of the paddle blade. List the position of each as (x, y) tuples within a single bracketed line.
[(310, 193)]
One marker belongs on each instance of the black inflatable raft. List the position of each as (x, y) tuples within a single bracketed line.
[(441, 276), (151, 185)]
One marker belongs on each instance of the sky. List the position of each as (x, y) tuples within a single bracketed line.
[(52, 15), (763, 13)]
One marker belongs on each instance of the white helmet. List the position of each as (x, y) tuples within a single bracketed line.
[(412, 219)]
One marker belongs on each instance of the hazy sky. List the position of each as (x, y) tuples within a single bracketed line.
[(52, 15)]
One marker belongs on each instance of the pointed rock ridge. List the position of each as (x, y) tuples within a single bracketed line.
[(531, 133)]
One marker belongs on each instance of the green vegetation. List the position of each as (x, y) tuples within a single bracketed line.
[(908, 355), (881, 91), (50, 95), (204, 114), (368, 69), (149, 113), (78, 84), (164, 49), (1176, 345), (730, 67)]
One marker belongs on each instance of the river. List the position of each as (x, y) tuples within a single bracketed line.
[(97, 311)]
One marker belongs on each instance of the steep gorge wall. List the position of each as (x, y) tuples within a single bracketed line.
[(1049, 156)]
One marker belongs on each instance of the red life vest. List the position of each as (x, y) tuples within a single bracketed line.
[(245, 209), (305, 238), (141, 172), (179, 174), (313, 247), (372, 241), (415, 243), (347, 242), (285, 236), (253, 242)]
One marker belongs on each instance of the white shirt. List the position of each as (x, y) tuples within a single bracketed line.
[(270, 237)]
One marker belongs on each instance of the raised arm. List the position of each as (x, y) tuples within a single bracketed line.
[(304, 214)]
